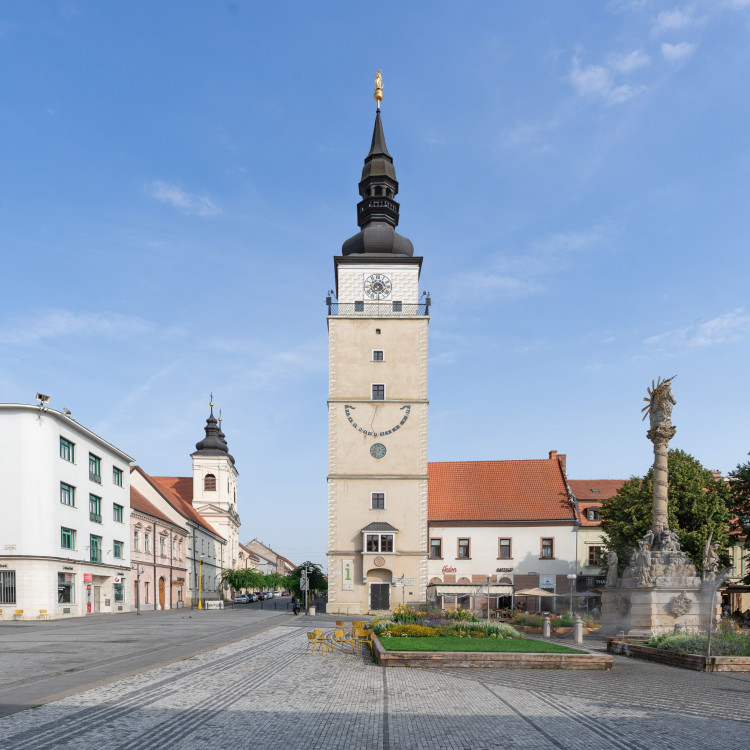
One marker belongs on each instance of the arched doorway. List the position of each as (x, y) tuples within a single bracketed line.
[(162, 591), (379, 584)]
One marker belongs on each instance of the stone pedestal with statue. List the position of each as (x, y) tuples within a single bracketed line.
[(660, 589)]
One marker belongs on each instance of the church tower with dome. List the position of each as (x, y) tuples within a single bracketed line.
[(215, 487), (377, 404)]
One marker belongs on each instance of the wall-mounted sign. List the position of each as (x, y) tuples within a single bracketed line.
[(68, 578), (88, 577), (3, 565), (67, 567), (504, 570), (547, 582), (117, 579), (347, 575), (448, 569)]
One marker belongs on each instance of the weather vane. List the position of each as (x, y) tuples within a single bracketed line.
[(378, 87)]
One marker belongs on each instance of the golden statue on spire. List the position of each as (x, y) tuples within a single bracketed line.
[(378, 87)]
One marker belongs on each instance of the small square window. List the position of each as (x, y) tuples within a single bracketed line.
[(95, 509), (548, 549), (95, 468), (397, 307), (359, 306), (377, 355), (464, 548), (117, 476), (67, 494), (378, 392), (117, 512), (95, 548), (595, 554), (378, 500), (67, 538), (386, 542), (504, 549), (117, 548), (377, 330), (67, 450), (436, 549)]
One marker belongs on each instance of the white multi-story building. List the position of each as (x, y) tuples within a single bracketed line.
[(65, 510), (500, 527)]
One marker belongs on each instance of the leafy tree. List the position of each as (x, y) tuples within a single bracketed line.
[(273, 581), (317, 579), (698, 506), (740, 488), (243, 578)]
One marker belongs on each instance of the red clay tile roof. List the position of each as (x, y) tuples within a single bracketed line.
[(497, 491), (181, 486), (138, 502), (183, 507), (582, 489)]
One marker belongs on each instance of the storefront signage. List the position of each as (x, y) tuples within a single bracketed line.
[(448, 569), (88, 577), (547, 582), (68, 578), (66, 567), (117, 579), (504, 570), (178, 582), (3, 565)]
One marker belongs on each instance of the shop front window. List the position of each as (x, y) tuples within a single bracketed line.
[(120, 591), (65, 588)]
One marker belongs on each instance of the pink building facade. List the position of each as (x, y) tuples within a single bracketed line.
[(158, 557)]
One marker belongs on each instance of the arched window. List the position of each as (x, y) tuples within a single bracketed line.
[(209, 483)]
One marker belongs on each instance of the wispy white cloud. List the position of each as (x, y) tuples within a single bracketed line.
[(59, 324), (628, 62), (188, 203), (677, 52), (514, 276), (676, 19), (732, 326), (599, 82)]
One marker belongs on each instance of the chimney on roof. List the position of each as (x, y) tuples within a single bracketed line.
[(561, 459)]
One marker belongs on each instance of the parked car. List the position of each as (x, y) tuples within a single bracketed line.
[(242, 599), (253, 597), (260, 596)]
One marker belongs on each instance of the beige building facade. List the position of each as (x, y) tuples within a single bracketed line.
[(377, 408)]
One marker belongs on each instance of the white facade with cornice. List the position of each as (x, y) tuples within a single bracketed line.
[(65, 510)]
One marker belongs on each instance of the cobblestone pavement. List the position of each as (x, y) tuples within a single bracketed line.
[(264, 692)]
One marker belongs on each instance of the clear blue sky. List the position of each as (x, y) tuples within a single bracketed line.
[(177, 176)]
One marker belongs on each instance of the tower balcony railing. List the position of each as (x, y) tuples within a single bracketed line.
[(378, 309)]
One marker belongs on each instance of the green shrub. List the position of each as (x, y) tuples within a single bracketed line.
[(725, 642), (463, 615)]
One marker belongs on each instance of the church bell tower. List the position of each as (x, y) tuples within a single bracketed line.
[(377, 405)]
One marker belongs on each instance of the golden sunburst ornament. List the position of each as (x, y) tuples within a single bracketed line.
[(657, 394)]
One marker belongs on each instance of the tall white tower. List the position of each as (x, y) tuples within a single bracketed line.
[(377, 407), (215, 487)]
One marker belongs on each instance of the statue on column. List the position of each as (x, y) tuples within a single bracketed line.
[(659, 403)]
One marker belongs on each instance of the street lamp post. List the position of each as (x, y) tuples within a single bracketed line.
[(200, 581), (489, 576), (572, 579), (138, 571)]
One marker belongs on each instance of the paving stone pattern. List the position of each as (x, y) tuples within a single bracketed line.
[(264, 692)]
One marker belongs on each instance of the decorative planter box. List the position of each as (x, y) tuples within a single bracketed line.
[(498, 660), (685, 661)]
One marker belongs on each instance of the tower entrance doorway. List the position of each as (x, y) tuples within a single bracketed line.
[(380, 596)]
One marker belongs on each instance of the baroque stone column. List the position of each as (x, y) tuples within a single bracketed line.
[(660, 435)]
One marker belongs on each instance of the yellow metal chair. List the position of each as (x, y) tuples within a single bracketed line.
[(314, 639), (43, 614), (18, 614), (363, 637), (340, 637)]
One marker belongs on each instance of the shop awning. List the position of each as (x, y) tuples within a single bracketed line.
[(478, 589)]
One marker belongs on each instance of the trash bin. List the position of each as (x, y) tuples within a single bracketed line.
[(311, 609)]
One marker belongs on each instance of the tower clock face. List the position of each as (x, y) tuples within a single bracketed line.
[(377, 450), (377, 286)]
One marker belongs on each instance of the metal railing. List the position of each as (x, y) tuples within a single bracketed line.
[(96, 517), (378, 309), (95, 477)]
